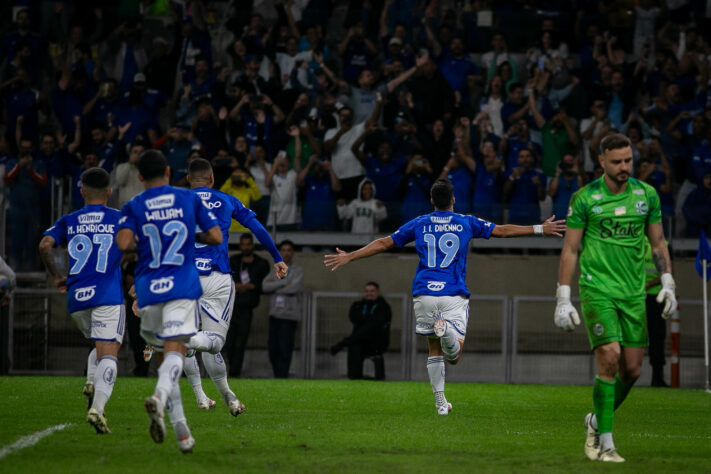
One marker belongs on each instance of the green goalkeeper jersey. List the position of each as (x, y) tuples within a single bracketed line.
[(612, 260)]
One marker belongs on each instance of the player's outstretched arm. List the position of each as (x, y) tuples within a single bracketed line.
[(45, 250), (212, 237), (662, 261), (566, 316), (548, 227), (342, 258)]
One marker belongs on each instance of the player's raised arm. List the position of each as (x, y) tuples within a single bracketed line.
[(548, 227), (662, 261), (342, 258), (566, 316)]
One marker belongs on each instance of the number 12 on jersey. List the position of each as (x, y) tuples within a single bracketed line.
[(448, 244)]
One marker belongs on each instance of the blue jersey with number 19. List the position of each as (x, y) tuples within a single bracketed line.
[(164, 219), (442, 242), (94, 277)]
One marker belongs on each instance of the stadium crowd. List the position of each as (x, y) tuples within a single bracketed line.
[(325, 116)]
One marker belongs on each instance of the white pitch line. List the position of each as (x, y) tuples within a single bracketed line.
[(31, 439)]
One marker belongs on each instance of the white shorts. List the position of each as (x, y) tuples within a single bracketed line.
[(102, 323), (217, 300), (455, 310), (176, 320)]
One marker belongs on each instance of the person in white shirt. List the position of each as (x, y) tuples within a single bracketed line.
[(283, 209), (365, 210)]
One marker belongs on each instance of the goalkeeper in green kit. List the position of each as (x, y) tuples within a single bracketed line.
[(610, 217)]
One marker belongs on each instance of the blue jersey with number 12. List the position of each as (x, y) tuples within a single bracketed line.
[(164, 219), (442, 242), (94, 277)]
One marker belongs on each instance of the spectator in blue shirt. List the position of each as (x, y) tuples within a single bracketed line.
[(524, 188), (457, 69), (697, 207), (21, 101), (415, 187), (516, 139), (488, 199), (516, 108), (460, 168), (106, 104), (26, 179), (357, 52), (151, 100), (569, 177), (320, 185), (176, 149), (23, 35), (385, 171)]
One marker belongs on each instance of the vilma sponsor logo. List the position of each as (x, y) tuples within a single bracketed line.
[(161, 202), (91, 217)]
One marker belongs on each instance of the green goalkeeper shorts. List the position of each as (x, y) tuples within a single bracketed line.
[(609, 319)]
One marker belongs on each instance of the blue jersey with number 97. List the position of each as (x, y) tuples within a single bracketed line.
[(164, 220), (442, 242), (94, 276)]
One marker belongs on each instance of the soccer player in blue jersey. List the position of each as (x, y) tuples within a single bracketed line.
[(160, 224), (93, 285), (440, 295), (218, 290)]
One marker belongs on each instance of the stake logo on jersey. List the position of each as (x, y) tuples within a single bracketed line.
[(442, 242), (225, 208), (94, 277), (164, 219), (613, 260)]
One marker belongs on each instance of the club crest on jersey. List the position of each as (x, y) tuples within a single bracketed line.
[(85, 294), (597, 210), (440, 219), (621, 210), (641, 207), (161, 202), (596, 197), (638, 191), (91, 217), (570, 211), (161, 285), (436, 285)]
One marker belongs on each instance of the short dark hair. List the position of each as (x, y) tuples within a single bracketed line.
[(286, 242), (614, 142), (152, 164), (95, 178), (372, 283), (246, 236), (199, 167), (515, 85), (441, 193)]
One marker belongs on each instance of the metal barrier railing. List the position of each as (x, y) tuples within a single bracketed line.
[(520, 346)]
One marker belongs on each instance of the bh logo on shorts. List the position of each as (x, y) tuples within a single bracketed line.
[(641, 208), (161, 285), (109, 375), (598, 329), (435, 285), (85, 294)]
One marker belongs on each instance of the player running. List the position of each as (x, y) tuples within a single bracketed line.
[(611, 216), (93, 285), (440, 295), (218, 295), (160, 224)]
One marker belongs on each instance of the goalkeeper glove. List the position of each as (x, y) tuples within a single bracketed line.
[(566, 316), (667, 294)]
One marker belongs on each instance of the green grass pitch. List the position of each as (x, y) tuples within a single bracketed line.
[(345, 426)]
